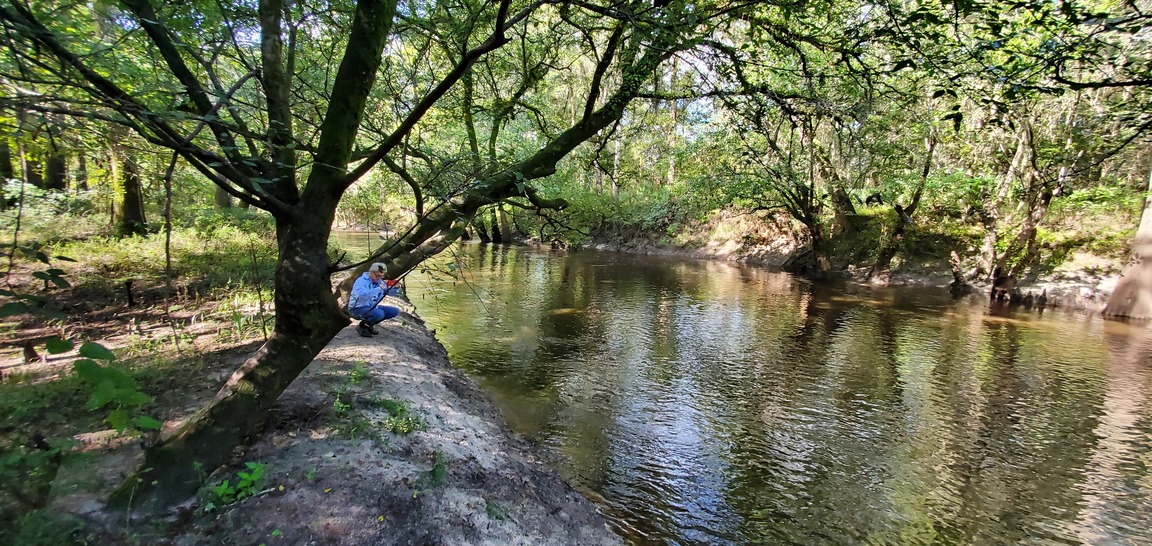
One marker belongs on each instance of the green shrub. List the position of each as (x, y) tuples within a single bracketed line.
[(51, 216), (248, 483)]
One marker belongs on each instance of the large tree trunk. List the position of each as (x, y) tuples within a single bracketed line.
[(55, 168), (30, 170), (497, 234), (812, 262), (505, 225), (6, 170), (671, 134), (81, 183), (221, 199), (1132, 296), (992, 207), (1025, 240), (481, 230), (130, 200), (33, 170), (308, 316)]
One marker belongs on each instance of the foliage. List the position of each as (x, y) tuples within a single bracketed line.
[(401, 421), (222, 250), (49, 216), (45, 412), (359, 374), (1106, 198), (375, 205), (494, 510), (47, 527), (248, 483), (112, 387), (433, 477), (593, 214)]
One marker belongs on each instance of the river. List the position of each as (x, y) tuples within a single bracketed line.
[(703, 402)]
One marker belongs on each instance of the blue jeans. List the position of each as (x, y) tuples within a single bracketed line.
[(375, 315)]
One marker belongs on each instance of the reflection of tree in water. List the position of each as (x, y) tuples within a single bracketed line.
[(779, 464), (1117, 467), (1022, 441)]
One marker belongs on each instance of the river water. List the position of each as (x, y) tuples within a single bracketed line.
[(702, 402)]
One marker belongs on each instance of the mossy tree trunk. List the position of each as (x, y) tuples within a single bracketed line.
[(506, 225), (497, 231), (221, 200), (307, 318), (81, 179), (129, 219)]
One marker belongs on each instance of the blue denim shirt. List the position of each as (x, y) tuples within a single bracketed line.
[(366, 295)]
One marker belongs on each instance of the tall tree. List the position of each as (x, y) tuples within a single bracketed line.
[(1132, 296), (291, 146), (128, 206)]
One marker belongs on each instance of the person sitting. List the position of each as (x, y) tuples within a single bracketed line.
[(364, 301)]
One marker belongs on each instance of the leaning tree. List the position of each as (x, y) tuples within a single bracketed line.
[(284, 105)]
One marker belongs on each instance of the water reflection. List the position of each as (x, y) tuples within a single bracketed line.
[(708, 403)]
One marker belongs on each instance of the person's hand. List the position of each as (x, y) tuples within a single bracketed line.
[(390, 283)]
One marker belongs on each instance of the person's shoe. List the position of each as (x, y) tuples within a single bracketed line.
[(372, 328), (364, 330)]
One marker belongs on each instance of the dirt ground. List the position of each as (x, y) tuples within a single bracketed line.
[(336, 475)]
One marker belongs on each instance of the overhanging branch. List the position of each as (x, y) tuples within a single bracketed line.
[(493, 42)]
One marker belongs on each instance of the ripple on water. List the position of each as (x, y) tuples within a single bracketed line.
[(716, 404)]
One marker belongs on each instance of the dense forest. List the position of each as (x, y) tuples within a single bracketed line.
[(1000, 137)]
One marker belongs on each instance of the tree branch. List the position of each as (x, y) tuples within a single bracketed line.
[(493, 42)]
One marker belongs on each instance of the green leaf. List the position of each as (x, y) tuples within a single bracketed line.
[(104, 394), (144, 422), (13, 308), (88, 371), (119, 378), (133, 398), (96, 351), (119, 419), (57, 346), (64, 259)]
